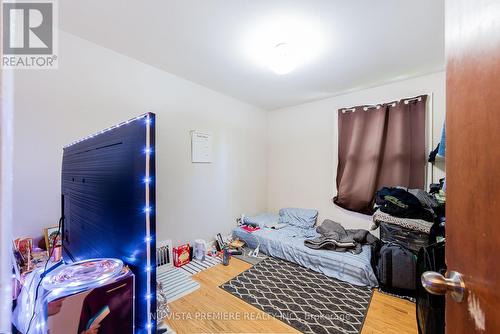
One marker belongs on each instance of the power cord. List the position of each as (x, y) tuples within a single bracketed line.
[(42, 275)]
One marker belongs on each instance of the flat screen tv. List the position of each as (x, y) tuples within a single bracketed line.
[(108, 205)]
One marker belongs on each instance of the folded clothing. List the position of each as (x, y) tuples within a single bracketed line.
[(380, 217), (303, 218), (334, 237)]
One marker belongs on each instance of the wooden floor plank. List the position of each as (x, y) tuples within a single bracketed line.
[(213, 310)]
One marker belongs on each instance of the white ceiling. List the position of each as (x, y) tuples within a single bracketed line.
[(219, 43)]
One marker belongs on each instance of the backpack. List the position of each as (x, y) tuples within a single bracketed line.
[(397, 269)]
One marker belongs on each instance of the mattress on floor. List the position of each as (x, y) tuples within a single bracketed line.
[(288, 244)]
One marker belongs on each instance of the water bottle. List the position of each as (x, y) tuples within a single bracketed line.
[(225, 256)]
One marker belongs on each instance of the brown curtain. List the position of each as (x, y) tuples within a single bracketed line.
[(381, 145)]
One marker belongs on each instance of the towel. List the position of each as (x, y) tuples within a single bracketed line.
[(442, 144)]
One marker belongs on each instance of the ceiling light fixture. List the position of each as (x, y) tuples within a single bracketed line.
[(283, 42), (283, 59)]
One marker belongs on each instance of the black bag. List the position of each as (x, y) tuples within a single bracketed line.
[(397, 269), (430, 308), (410, 239)]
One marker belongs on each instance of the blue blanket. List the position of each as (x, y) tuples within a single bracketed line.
[(288, 244)]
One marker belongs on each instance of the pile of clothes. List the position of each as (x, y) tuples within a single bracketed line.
[(334, 237), (409, 220), (410, 209), (406, 203)]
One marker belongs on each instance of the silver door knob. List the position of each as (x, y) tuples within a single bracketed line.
[(437, 284)]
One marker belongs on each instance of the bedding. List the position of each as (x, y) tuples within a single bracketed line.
[(334, 237), (262, 220), (288, 244), (303, 218)]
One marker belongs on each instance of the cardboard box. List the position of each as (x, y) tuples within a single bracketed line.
[(181, 255)]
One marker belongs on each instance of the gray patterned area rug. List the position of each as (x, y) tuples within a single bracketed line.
[(306, 300)]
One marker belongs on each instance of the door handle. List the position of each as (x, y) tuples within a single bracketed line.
[(437, 284)]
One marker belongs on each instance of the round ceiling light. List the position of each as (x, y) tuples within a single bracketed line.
[(283, 59), (283, 42)]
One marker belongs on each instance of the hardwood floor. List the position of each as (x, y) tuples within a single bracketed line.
[(390, 315), (213, 310)]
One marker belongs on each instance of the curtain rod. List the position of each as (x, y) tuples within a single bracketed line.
[(377, 106)]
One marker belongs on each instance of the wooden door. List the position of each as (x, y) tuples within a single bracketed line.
[(473, 162)]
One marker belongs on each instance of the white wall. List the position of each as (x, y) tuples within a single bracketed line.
[(302, 146), (94, 88), (6, 147)]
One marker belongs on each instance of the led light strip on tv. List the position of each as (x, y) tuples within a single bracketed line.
[(148, 208)]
